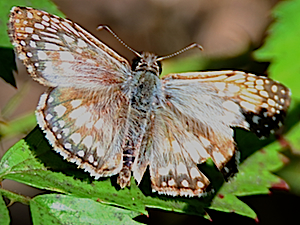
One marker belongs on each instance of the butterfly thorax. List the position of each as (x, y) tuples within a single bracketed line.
[(144, 98)]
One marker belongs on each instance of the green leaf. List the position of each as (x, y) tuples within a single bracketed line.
[(29, 161), (20, 125), (4, 216), (61, 209), (281, 49), (254, 177), (281, 46)]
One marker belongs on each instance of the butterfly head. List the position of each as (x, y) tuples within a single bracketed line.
[(147, 61)]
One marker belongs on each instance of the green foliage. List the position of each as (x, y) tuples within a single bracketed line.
[(281, 46), (282, 50), (80, 198), (4, 216), (63, 209)]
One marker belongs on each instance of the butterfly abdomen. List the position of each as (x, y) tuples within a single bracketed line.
[(143, 99)]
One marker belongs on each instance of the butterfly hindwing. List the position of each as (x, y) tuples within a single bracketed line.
[(110, 118), (85, 128)]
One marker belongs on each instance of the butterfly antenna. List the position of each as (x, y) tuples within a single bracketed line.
[(191, 46), (107, 28)]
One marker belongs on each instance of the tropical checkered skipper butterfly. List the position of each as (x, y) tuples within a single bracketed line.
[(112, 118)]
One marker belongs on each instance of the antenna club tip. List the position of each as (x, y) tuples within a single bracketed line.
[(196, 45), (103, 26)]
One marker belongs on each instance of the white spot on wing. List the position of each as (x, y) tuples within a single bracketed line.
[(29, 30), (66, 56), (99, 150), (231, 106), (185, 183), (80, 153), (196, 150), (76, 103), (99, 123), (46, 18), (35, 37), (274, 88), (248, 106), (233, 88), (45, 23), (171, 182), (264, 94), (41, 55), (89, 125), (219, 158), (30, 68), (88, 141), (81, 43), (68, 39), (29, 15), (60, 110), (39, 26), (176, 146), (204, 141), (259, 82), (51, 46), (271, 102), (181, 168), (66, 131), (49, 117), (256, 119), (164, 171), (32, 44), (91, 159), (77, 112), (200, 184), (220, 85), (68, 146), (83, 119), (76, 138), (194, 173)]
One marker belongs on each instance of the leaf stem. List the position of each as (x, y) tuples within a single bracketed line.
[(14, 197)]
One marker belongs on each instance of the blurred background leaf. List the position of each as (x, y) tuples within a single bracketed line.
[(281, 49)]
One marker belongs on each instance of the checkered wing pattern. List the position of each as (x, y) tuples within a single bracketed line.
[(110, 118), (82, 113), (196, 124), (58, 52)]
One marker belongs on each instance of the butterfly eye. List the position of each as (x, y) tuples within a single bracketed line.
[(135, 63)]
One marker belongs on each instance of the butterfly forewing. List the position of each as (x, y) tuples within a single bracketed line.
[(58, 52), (111, 119)]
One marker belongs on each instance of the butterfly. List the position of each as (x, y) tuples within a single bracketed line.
[(110, 117)]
